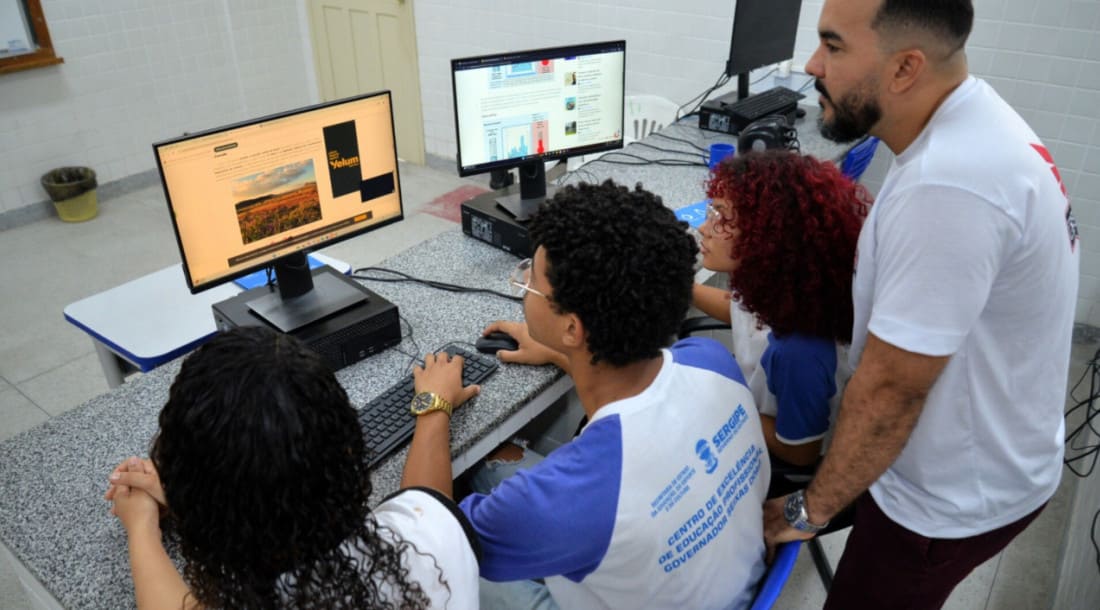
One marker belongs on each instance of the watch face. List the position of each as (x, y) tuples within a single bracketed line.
[(421, 402), (792, 508)]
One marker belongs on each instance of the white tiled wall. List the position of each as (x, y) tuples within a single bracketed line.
[(1042, 56), (137, 71)]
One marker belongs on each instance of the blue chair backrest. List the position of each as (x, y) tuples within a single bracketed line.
[(777, 575), (857, 159)]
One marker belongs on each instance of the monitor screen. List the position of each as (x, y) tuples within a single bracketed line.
[(244, 196), (763, 33), (521, 107)]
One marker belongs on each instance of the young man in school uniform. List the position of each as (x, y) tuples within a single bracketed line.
[(950, 433), (657, 502)]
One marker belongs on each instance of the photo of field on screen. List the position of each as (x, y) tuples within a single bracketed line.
[(244, 195)]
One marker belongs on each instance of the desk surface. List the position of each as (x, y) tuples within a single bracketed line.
[(155, 318), (53, 517)]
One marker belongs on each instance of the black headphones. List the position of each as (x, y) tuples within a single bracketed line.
[(767, 133)]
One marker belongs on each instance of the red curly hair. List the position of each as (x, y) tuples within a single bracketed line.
[(799, 220)]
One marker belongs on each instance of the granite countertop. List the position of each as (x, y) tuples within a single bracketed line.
[(52, 478)]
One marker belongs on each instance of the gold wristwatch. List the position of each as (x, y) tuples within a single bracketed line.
[(427, 402)]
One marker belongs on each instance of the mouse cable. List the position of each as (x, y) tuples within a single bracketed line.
[(404, 277)]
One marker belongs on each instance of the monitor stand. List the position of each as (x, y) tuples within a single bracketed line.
[(304, 296), (532, 192)]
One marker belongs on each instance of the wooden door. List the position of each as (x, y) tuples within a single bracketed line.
[(367, 45)]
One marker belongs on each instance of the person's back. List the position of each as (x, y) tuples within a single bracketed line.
[(264, 469), (784, 226), (979, 173), (657, 503)]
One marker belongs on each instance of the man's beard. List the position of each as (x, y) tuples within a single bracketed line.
[(853, 117)]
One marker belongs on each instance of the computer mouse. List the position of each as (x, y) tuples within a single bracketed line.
[(495, 341)]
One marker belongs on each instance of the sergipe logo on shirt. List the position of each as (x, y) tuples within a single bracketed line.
[(702, 449)]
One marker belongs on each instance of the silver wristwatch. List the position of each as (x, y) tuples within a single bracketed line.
[(794, 511)]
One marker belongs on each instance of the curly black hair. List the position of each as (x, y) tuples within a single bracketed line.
[(622, 262), (263, 465)]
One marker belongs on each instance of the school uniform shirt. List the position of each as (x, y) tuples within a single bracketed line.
[(656, 504), (796, 383), (443, 549)]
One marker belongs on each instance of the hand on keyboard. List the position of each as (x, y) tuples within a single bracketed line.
[(386, 420), (442, 375)]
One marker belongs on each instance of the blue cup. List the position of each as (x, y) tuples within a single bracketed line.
[(719, 151)]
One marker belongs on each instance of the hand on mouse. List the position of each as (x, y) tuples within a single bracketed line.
[(529, 350)]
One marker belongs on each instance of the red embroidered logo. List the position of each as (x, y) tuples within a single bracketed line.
[(1071, 222), (1045, 154)]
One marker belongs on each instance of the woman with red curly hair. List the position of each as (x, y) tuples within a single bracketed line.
[(784, 227)]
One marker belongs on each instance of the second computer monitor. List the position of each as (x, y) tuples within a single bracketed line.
[(763, 33), (520, 109)]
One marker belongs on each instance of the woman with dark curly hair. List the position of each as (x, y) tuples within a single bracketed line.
[(784, 227), (261, 468)]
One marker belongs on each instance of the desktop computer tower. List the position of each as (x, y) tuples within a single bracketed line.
[(343, 338), (485, 220)]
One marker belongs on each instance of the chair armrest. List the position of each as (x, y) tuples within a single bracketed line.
[(691, 326)]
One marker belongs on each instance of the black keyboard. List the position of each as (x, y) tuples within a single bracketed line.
[(386, 420), (777, 100)]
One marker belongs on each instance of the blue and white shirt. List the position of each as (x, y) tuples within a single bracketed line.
[(656, 504), (796, 383)]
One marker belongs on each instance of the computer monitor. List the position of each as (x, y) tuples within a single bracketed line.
[(261, 193), (763, 33), (523, 108)]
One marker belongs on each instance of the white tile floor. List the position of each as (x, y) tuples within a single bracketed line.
[(48, 366)]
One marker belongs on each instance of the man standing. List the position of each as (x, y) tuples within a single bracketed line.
[(950, 433)]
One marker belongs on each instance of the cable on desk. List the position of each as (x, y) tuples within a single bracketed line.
[(770, 72), (668, 150), (684, 140), (404, 277), (702, 97), (413, 357), (644, 161)]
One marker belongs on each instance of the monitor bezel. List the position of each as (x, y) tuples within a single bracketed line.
[(534, 55), (764, 8), (194, 287)]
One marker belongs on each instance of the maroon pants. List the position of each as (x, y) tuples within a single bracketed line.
[(885, 565)]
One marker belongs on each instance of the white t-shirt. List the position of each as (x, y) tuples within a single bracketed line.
[(970, 251), (657, 504), (447, 545)]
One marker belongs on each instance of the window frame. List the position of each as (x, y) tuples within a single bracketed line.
[(44, 54)]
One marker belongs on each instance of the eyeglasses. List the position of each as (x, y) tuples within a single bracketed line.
[(521, 280), (717, 221)]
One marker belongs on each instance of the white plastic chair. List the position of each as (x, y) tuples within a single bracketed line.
[(642, 115)]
